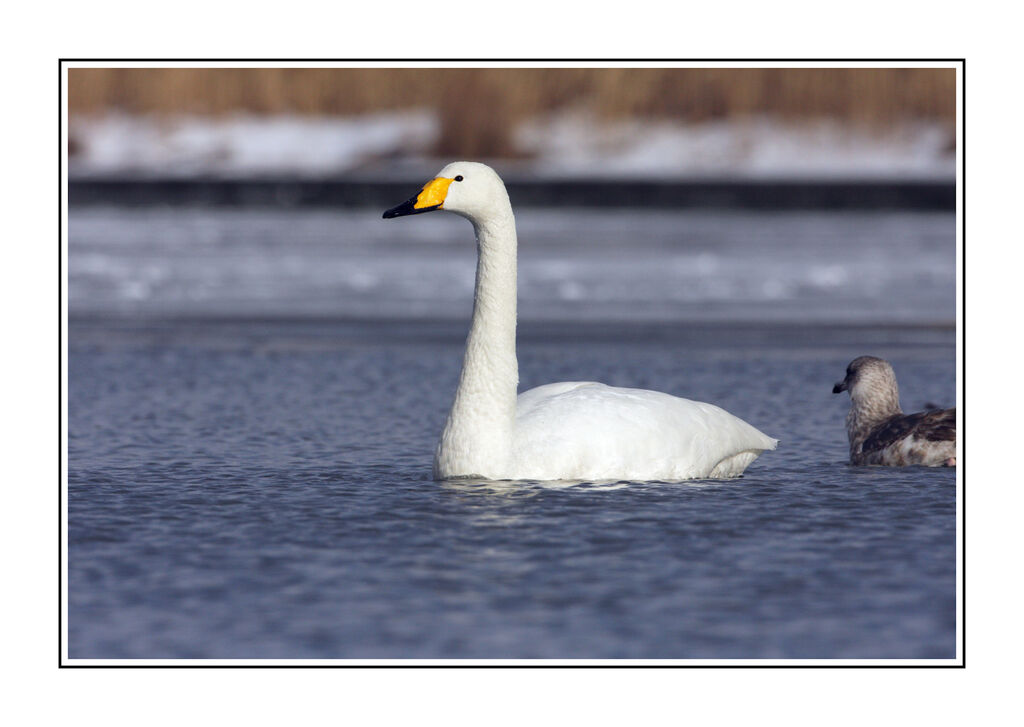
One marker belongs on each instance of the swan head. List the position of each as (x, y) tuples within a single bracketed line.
[(470, 189), (869, 377)]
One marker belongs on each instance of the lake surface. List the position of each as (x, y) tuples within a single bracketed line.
[(574, 264), (259, 486)]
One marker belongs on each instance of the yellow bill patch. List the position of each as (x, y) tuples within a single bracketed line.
[(433, 193)]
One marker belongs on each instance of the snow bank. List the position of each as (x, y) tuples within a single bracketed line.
[(566, 145), (243, 145), (577, 144)]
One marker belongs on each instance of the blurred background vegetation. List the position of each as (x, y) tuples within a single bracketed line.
[(479, 108)]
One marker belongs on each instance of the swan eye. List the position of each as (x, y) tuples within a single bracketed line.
[(458, 178)]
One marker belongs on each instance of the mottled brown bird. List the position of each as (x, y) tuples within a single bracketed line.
[(880, 433)]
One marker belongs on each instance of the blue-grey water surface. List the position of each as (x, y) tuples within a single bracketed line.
[(260, 488), (275, 500)]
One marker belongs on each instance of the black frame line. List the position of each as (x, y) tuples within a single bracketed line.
[(61, 193)]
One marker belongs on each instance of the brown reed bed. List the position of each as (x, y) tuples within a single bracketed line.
[(480, 107)]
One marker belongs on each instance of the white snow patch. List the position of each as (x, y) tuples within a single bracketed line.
[(578, 144), (244, 145), (568, 144)]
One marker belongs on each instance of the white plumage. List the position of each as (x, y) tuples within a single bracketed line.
[(586, 430), (563, 431)]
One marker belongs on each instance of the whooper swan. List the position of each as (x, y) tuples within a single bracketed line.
[(577, 430)]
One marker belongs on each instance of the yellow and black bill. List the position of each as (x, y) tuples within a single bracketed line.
[(431, 197)]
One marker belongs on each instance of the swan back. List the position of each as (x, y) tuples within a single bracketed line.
[(587, 430)]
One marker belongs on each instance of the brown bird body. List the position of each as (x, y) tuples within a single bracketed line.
[(878, 430)]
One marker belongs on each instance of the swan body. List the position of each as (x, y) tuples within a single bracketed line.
[(878, 430), (565, 431)]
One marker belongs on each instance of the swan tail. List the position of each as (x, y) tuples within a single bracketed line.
[(735, 465)]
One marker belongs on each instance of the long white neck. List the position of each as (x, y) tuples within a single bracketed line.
[(477, 438)]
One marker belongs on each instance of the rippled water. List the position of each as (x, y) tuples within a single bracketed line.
[(254, 398), (263, 490)]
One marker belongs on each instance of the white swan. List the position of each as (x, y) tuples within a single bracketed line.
[(569, 431)]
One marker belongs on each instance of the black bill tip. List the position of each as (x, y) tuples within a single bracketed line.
[(408, 207), (839, 387)]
